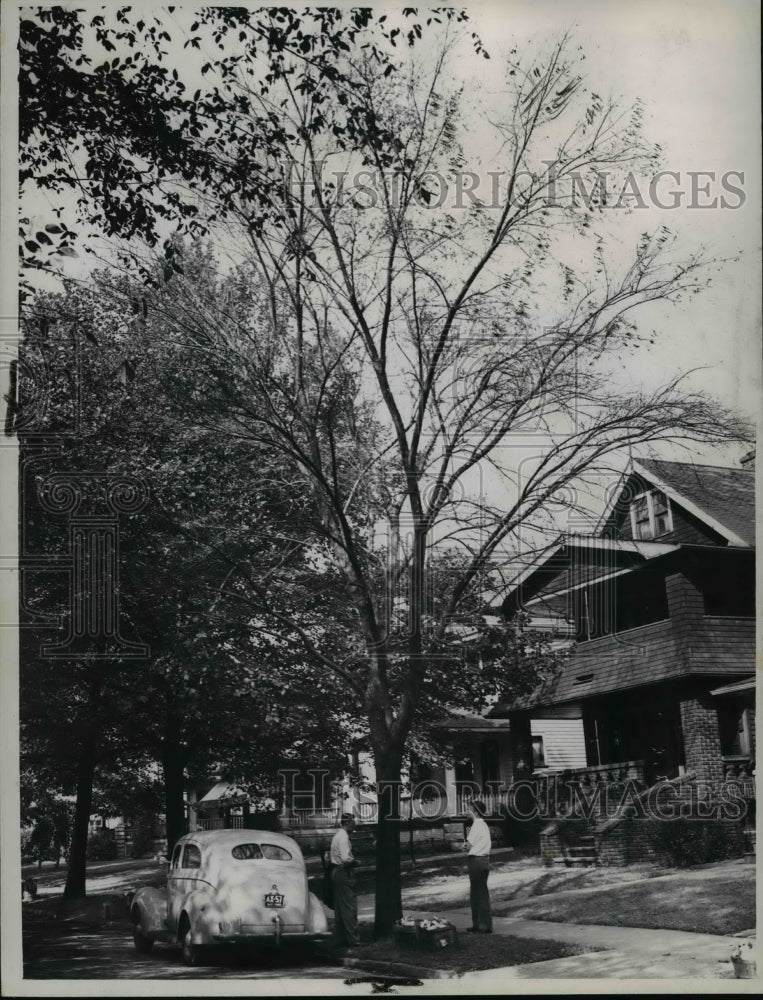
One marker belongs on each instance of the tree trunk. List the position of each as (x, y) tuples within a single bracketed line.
[(389, 906), (174, 759), (76, 875)]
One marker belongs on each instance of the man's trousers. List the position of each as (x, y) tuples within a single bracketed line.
[(345, 906), (479, 897)]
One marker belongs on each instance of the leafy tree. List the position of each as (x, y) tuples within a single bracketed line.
[(105, 116), (202, 692), (48, 814)]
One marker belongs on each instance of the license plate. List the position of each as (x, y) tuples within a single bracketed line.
[(274, 900)]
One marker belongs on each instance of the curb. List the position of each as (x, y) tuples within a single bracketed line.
[(398, 969)]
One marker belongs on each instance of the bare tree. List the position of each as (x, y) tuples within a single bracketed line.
[(411, 333)]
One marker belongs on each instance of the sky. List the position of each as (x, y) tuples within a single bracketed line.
[(695, 65)]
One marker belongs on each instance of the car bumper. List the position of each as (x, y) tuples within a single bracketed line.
[(296, 936)]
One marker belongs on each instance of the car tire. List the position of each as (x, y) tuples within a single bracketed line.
[(143, 943), (193, 954)]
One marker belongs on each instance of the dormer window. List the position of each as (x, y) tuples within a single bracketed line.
[(651, 515)]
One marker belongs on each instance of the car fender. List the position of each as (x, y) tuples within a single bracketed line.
[(203, 913), (317, 921), (149, 905)]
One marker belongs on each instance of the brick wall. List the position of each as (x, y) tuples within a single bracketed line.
[(751, 723), (701, 736), (633, 840), (625, 843)]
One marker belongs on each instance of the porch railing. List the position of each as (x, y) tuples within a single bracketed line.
[(218, 823), (311, 817), (627, 770), (493, 801)]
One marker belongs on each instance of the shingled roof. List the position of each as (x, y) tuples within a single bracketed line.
[(725, 494)]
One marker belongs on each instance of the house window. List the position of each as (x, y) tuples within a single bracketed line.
[(651, 515), (539, 759), (734, 724)]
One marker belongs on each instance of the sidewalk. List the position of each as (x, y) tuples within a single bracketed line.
[(622, 952)]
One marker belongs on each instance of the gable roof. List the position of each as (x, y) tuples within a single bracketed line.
[(467, 722), (723, 497), (553, 571)]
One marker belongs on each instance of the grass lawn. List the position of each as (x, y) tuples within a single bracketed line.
[(720, 906), (473, 952)]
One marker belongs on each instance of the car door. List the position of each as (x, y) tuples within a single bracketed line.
[(175, 887), (191, 870)]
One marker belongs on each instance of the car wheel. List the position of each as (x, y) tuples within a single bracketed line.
[(193, 954), (143, 944)]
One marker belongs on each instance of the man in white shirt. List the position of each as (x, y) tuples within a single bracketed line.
[(343, 882), (478, 845)]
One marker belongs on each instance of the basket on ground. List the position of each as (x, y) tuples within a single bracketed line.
[(432, 934)]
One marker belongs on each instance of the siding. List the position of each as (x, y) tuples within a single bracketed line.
[(563, 741), (724, 645), (656, 652), (629, 659)]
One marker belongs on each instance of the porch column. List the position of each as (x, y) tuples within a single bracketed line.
[(520, 741), (450, 791), (192, 817), (701, 736)]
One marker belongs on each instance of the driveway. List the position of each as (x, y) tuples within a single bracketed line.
[(108, 953)]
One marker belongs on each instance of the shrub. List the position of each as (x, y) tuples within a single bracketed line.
[(686, 842), (102, 846)]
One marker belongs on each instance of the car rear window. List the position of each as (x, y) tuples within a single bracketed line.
[(253, 852), (246, 852), (273, 853)]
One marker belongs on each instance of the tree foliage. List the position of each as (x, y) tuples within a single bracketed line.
[(105, 115), (204, 694)]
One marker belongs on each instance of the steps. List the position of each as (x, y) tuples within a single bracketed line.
[(580, 854)]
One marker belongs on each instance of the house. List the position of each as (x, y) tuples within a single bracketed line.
[(660, 599)]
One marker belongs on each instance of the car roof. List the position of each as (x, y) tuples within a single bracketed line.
[(206, 838)]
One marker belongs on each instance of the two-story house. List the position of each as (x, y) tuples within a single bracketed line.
[(661, 600)]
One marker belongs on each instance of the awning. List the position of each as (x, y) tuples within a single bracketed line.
[(738, 687), (224, 793)]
